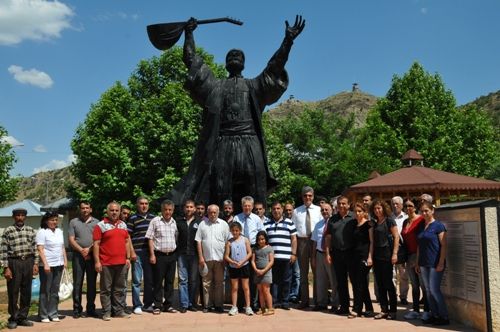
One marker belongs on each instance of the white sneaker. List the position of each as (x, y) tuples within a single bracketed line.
[(425, 315), (138, 311), (411, 315), (45, 320), (233, 311), (249, 311)]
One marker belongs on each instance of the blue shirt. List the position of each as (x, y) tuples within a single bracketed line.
[(250, 224), (317, 234), (429, 247)]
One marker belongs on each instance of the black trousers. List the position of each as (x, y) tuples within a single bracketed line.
[(163, 279), (386, 288), (82, 267), (19, 288), (360, 286), (344, 269)]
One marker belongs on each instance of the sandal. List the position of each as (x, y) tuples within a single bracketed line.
[(156, 311), (260, 311), (268, 312), (352, 315), (381, 315)]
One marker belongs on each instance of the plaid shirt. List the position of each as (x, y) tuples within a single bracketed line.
[(163, 233), (18, 242)]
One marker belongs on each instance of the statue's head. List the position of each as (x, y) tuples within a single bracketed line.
[(235, 62)]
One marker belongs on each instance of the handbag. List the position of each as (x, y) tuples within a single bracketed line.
[(66, 285)]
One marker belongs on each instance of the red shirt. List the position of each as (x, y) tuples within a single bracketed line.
[(409, 234), (113, 237)]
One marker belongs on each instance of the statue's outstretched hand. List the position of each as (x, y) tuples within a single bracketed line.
[(292, 32), (191, 25)]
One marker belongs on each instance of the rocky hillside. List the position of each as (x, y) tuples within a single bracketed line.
[(491, 104), (45, 187), (344, 103)]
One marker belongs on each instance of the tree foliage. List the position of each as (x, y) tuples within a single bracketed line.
[(313, 148), (138, 139), (419, 112), (8, 185)]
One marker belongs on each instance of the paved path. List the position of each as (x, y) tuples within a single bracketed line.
[(293, 320)]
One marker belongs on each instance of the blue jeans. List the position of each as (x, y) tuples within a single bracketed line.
[(187, 266), (282, 277), (295, 284), (141, 268), (432, 284)]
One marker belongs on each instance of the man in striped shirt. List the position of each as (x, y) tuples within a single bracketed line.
[(137, 226), (283, 238)]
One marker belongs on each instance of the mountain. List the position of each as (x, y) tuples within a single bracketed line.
[(344, 103), (491, 104), (46, 187)]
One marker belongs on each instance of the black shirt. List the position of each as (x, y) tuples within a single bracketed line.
[(381, 233), (362, 240), (186, 245), (341, 231)]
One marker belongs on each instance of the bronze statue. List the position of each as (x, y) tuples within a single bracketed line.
[(230, 158)]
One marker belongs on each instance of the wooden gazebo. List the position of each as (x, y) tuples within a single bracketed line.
[(414, 180)]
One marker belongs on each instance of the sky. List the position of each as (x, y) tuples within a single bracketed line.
[(58, 57)]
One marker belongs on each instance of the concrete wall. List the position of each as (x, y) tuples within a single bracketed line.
[(492, 240)]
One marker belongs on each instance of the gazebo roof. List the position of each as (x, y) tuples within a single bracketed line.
[(412, 154), (419, 178)]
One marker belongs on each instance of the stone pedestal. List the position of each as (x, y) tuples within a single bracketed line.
[(471, 281)]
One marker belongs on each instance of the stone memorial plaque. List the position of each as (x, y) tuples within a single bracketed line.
[(463, 275)]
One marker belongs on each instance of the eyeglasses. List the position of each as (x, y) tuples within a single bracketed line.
[(324, 210)]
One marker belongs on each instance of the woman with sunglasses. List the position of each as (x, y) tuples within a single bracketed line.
[(431, 257), (411, 227)]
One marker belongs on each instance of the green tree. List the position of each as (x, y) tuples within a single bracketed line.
[(8, 185), (313, 148), (138, 139), (419, 112)]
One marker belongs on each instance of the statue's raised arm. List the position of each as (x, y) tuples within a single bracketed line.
[(277, 63), (189, 45), (292, 32)]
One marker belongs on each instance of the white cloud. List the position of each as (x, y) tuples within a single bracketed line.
[(11, 140), (32, 76), (40, 148), (103, 17), (32, 19), (55, 164), (423, 10)]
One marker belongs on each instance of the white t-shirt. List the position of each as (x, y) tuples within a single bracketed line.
[(53, 245)]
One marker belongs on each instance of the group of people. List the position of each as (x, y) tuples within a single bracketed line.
[(257, 255)]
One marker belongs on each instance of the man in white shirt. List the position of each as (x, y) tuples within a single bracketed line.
[(211, 239), (400, 274), (305, 218), (325, 278), (251, 224)]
